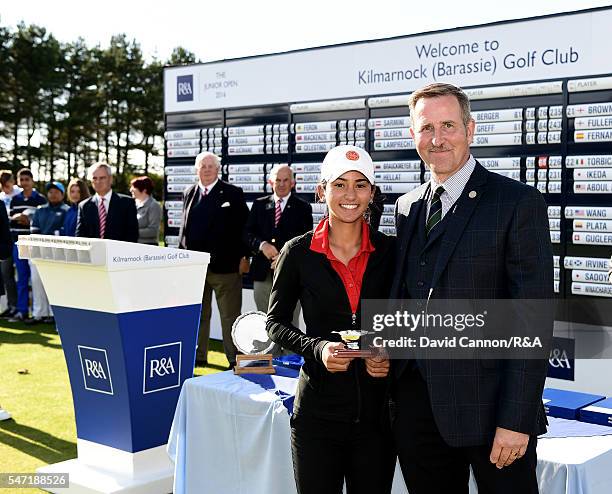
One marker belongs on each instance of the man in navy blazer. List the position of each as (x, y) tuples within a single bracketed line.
[(120, 223), (467, 234), (266, 235)]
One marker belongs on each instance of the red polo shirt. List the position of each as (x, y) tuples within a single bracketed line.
[(351, 275)]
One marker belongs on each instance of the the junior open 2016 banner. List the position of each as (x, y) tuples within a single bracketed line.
[(527, 50)]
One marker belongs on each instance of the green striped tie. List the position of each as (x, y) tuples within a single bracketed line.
[(435, 210)]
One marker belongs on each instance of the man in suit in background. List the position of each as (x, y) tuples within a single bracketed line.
[(274, 220), (213, 220), (106, 214), (467, 234)]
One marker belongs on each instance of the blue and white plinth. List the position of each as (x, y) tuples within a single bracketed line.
[(128, 317)]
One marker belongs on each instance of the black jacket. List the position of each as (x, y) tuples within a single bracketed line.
[(6, 240), (295, 220), (121, 221), (308, 276), (495, 246), (225, 226)]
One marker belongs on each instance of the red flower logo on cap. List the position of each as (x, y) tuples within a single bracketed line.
[(352, 155)]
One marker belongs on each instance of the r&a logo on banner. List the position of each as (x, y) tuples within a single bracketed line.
[(96, 371), (184, 88), (561, 359), (162, 367)]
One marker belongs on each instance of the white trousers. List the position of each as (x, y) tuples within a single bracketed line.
[(40, 303)]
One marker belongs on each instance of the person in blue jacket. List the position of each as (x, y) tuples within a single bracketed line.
[(47, 220), (77, 192)]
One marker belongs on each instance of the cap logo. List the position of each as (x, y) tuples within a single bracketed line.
[(352, 155)]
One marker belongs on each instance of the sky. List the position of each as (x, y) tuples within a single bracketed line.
[(217, 30)]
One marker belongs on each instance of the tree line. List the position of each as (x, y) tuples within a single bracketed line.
[(65, 105)]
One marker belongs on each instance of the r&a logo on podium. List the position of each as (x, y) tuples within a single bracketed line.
[(184, 88), (162, 367), (96, 371)]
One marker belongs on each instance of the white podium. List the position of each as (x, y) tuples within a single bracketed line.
[(128, 317)]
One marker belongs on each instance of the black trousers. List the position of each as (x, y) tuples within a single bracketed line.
[(430, 466), (327, 453)]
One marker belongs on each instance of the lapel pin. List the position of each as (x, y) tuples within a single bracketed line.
[(472, 194)]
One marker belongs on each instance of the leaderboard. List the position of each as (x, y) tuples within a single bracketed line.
[(257, 139), (554, 135)]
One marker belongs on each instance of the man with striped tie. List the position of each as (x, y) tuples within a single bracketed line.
[(106, 214), (274, 220), (474, 235)]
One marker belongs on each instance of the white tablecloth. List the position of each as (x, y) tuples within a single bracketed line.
[(230, 436)]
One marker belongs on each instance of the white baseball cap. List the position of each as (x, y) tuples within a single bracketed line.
[(342, 159)]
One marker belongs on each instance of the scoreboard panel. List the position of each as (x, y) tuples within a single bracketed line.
[(551, 130)]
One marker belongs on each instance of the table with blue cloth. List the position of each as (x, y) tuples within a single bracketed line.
[(231, 435)]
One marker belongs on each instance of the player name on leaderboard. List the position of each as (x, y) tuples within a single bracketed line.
[(592, 174), (250, 177), (592, 121), (589, 275), (174, 214), (391, 133), (257, 139), (182, 146), (187, 143), (399, 177), (321, 135), (387, 220)]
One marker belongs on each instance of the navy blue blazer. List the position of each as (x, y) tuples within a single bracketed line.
[(295, 220), (496, 246), (121, 220)]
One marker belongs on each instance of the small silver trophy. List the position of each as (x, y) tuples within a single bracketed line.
[(352, 340)]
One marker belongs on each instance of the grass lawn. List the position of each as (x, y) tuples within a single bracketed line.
[(34, 388)]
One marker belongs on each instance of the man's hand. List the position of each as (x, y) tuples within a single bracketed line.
[(21, 218), (378, 365), (244, 266), (508, 446), (269, 250), (332, 363), (273, 264)]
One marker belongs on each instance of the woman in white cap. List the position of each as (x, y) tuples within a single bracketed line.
[(339, 428)]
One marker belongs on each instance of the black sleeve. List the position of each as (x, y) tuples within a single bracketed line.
[(81, 226), (131, 218), (184, 214), (376, 208), (283, 298), (6, 240), (252, 232), (241, 219), (307, 221), (530, 273)]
